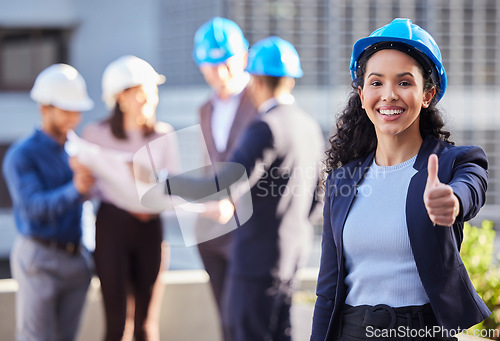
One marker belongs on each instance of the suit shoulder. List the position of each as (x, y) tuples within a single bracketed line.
[(259, 124), (457, 155), (292, 112), (461, 151)]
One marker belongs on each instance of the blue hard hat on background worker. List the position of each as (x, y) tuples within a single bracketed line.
[(275, 57), (217, 40)]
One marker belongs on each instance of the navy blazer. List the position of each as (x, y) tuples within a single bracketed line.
[(435, 248)]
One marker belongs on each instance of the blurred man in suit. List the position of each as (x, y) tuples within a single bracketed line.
[(221, 51)]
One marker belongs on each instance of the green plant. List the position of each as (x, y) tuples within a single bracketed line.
[(478, 255)]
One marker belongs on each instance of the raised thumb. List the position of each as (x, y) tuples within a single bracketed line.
[(432, 170)]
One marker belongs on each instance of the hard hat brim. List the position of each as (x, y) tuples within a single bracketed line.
[(85, 105)]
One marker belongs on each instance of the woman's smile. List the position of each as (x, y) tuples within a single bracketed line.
[(390, 112)]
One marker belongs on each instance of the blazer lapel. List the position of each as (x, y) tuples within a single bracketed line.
[(206, 127), (245, 113), (344, 193), (429, 146)]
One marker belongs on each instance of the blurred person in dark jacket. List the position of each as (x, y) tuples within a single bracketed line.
[(281, 152), (221, 51)]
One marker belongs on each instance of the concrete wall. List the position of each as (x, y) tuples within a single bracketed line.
[(188, 311)]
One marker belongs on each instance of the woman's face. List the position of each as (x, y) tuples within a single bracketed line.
[(140, 102), (393, 94)]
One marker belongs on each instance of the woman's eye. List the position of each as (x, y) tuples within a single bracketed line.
[(376, 83), (404, 83)]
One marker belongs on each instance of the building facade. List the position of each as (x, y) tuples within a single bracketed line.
[(89, 35)]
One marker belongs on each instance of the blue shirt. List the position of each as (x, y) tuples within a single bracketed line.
[(46, 203)]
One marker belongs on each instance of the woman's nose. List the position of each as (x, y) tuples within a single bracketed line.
[(389, 94)]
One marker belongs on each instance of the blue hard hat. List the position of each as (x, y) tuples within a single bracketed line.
[(420, 43), (217, 40), (274, 56)]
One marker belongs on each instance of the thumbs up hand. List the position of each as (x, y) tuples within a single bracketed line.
[(441, 203)]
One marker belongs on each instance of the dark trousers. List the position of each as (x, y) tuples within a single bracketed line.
[(257, 309), (215, 255), (127, 259), (382, 322)]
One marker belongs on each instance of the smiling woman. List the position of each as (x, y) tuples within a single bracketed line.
[(390, 251)]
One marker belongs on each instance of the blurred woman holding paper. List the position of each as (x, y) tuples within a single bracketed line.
[(128, 252)]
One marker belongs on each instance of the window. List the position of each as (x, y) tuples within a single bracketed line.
[(24, 52), (305, 23)]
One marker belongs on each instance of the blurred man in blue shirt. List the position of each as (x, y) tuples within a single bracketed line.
[(49, 263)]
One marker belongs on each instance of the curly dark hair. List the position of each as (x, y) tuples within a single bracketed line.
[(355, 135)]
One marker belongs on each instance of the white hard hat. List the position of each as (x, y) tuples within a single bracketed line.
[(124, 73), (62, 86)]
